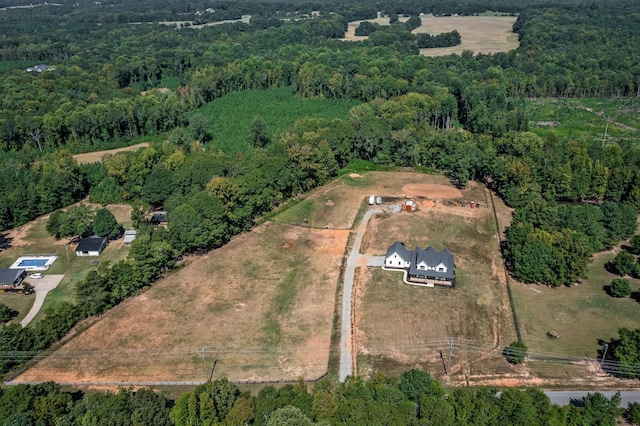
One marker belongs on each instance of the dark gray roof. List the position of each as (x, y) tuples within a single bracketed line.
[(399, 249), (91, 244), (9, 276), (433, 258), (159, 217)]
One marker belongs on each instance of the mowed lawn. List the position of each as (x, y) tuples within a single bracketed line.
[(33, 239), (580, 314), (399, 325)]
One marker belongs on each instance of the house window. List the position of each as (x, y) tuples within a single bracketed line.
[(399, 263), (441, 269)]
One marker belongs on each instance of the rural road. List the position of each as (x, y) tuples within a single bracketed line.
[(42, 287), (353, 262), (565, 397)]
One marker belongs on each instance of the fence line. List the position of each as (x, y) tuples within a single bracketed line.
[(513, 307)]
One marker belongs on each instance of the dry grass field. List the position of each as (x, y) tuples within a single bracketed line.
[(97, 156), (416, 321), (480, 34), (262, 305)]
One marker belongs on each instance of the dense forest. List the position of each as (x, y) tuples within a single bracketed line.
[(462, 115), (414, 398)]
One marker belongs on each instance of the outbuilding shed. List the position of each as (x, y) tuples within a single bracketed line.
[(92, 246)]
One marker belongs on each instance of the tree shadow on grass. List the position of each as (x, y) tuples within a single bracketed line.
[(5, 241)]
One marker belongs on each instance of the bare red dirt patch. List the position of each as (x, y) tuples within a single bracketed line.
[(431, 190)]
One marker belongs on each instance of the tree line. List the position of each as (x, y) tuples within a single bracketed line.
[(99, 101), (414, 398)]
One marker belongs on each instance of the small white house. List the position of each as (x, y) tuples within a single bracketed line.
[(92, 246)]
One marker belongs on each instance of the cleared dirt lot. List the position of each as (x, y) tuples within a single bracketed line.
[(480, 34)]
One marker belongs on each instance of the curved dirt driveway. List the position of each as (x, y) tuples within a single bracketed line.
[(42, 287)]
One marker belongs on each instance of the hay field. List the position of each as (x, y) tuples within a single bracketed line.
[(480, 34), (400, 326)]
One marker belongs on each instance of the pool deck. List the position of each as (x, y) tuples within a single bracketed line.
[(49, 261)]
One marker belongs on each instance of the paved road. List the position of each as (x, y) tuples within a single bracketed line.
[(353, 261), (42, 287), (565, 397)]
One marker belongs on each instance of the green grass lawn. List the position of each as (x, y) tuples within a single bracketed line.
[(73, 268), (230, 116), (580, 314), (18, 301), (586, 118)]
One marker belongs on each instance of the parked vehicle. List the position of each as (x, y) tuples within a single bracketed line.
[(36, 276), (372, 200)]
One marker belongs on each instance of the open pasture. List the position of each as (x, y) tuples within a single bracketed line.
[(480, 34), (580, 314), (399, 326), (261, 306)]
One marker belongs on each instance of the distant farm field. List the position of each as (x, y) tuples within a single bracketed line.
[(399, 326), (230, 116), (480, 34)]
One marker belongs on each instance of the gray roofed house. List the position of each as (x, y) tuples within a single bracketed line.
[(159, 219), (423, 267), (91, 246), (397, 256), (12, 278)]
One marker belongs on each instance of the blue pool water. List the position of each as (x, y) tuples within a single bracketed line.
[(33, 262)]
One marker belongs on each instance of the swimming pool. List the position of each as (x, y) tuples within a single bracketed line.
[(34, 262)]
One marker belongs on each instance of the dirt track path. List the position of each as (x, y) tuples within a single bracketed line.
[(346, 349)]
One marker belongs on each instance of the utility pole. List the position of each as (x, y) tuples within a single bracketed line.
[(450, 350), (215, 361), (204, 362), (606, 347), (604, 138)]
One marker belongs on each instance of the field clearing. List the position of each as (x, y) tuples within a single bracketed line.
[(97, 156), (480, 34), (33, 238), (335, 205), (416, 321), (586, 118)]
